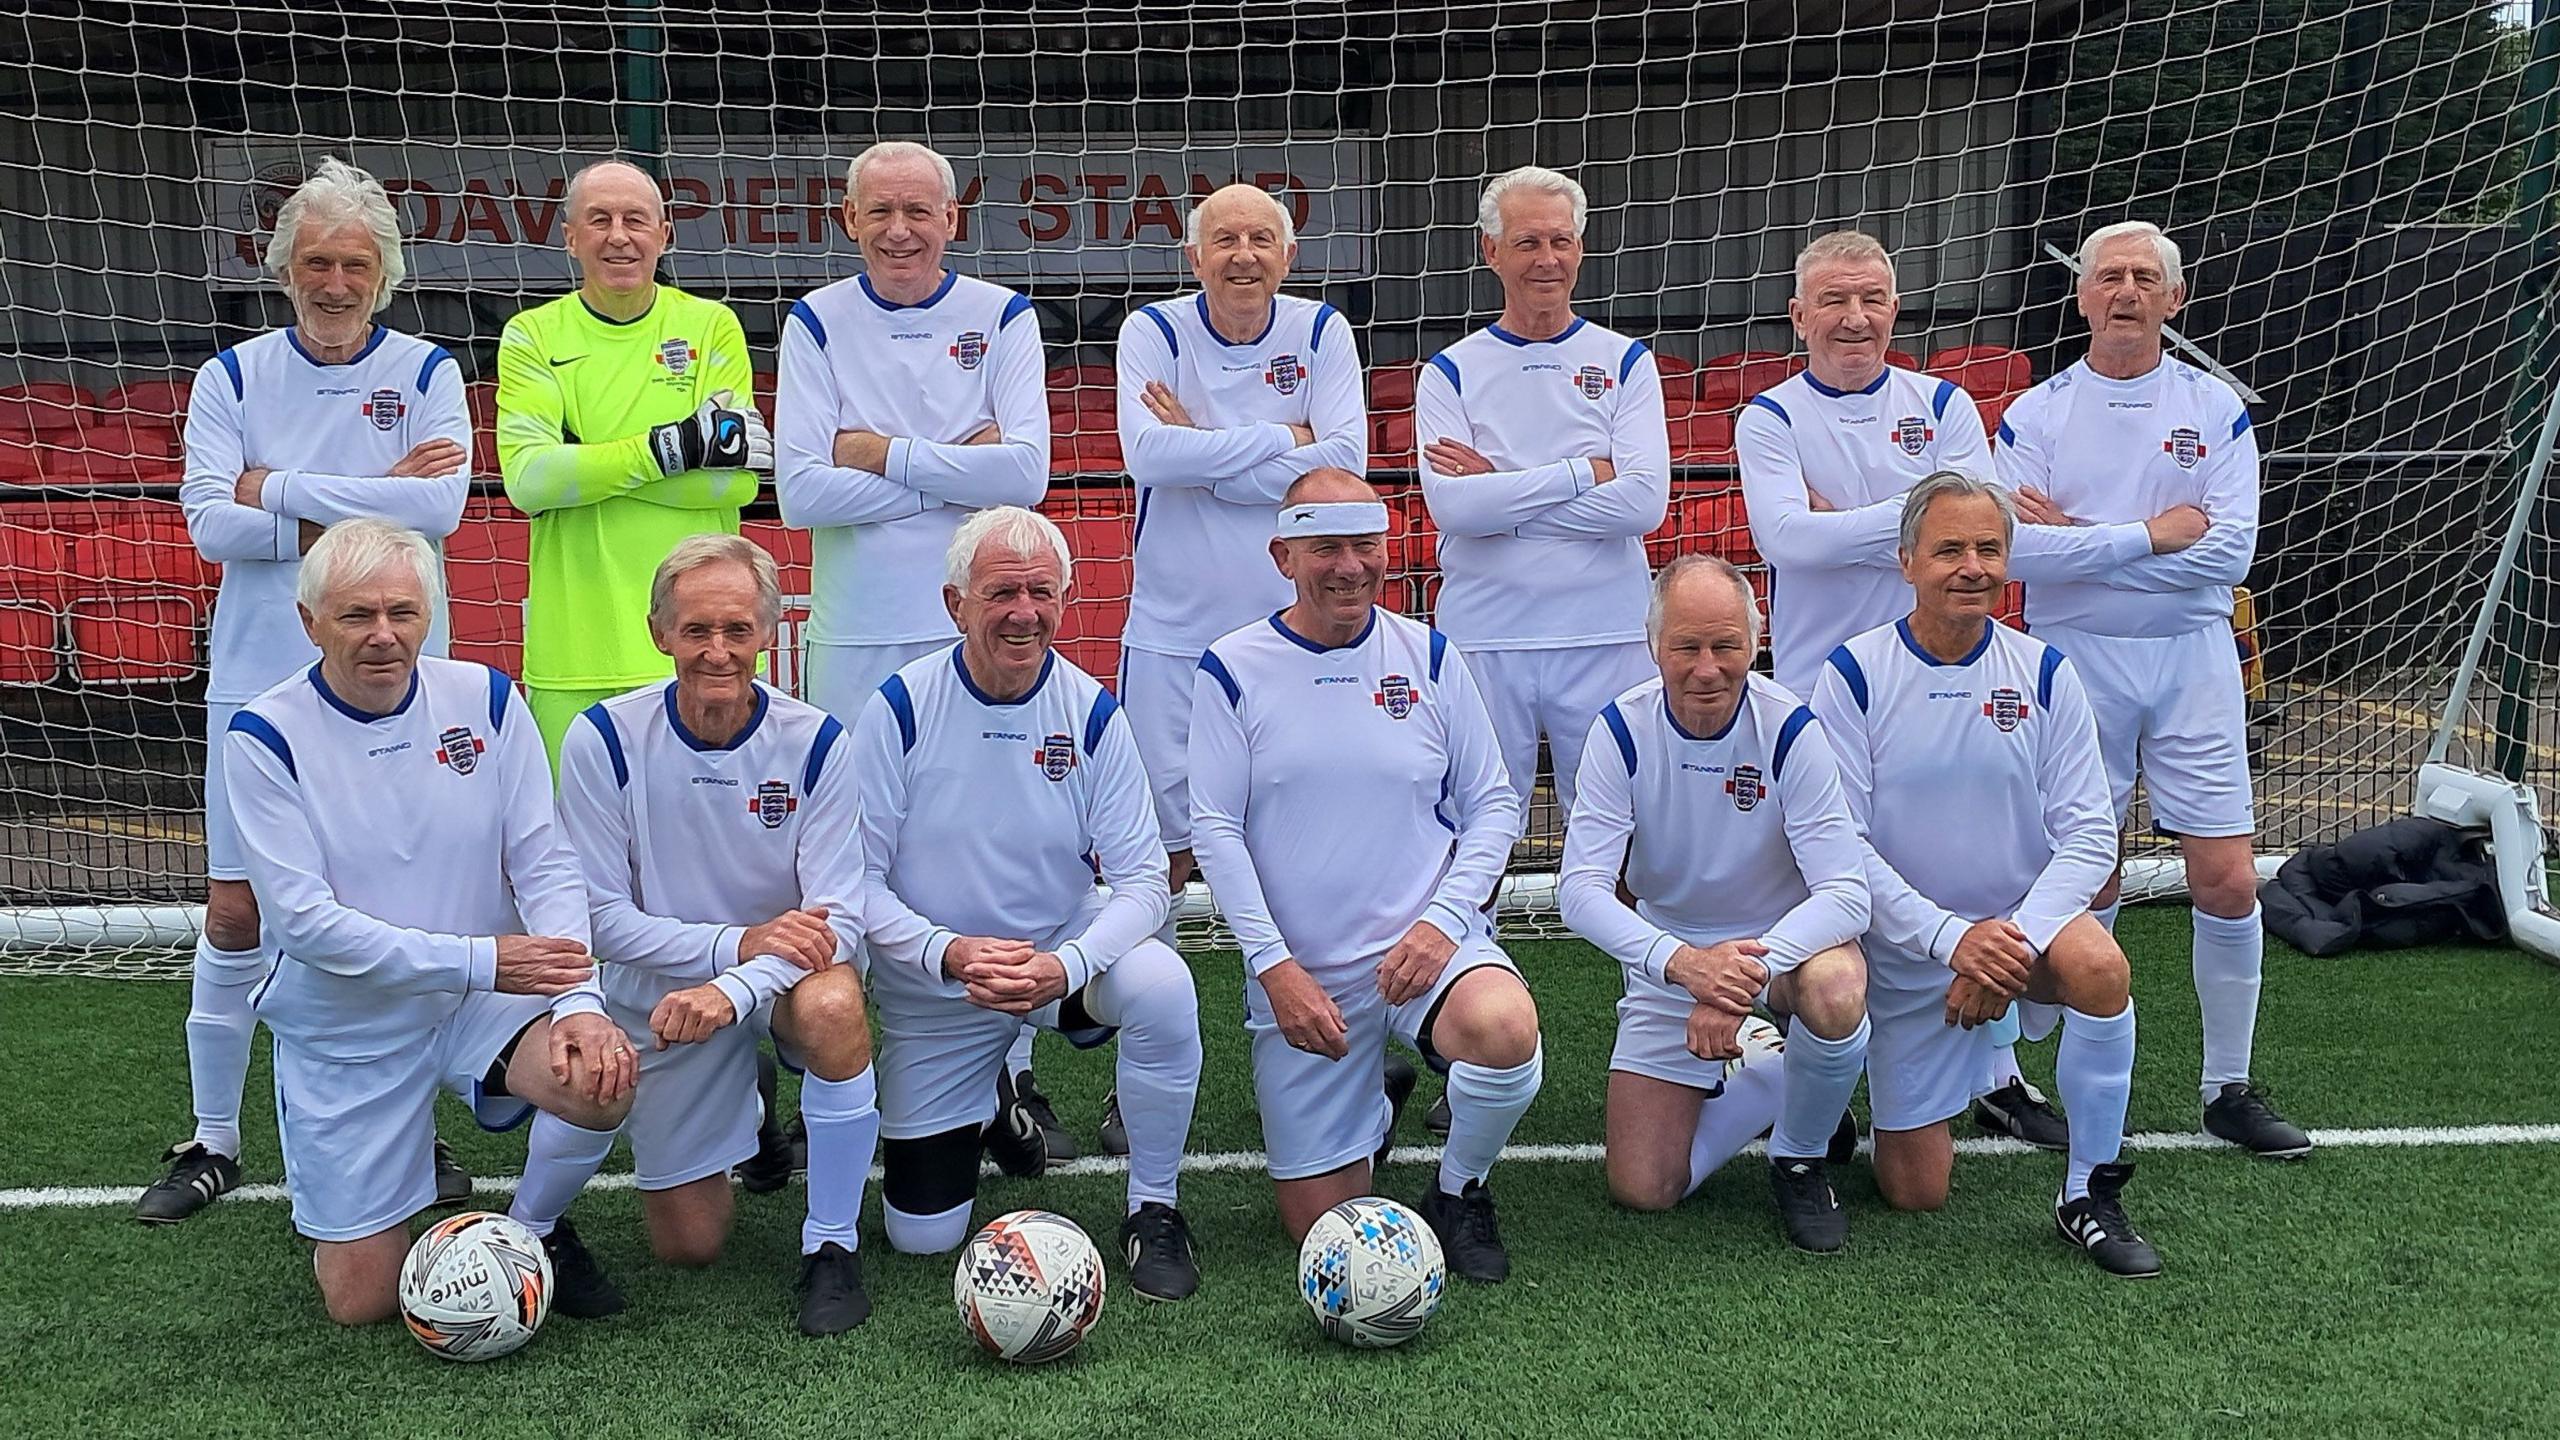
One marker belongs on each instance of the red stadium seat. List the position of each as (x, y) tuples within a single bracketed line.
[(1985, 371), (1670, 365), (144, 591), (768, 385), (33, 576), (1098, 601), (2013, 605), (162, 401), (1703, 438), (43, 406), (1091, 454), (484, 569), (1391, 388), (1901, 359), (1704, 522), (1391, 445), (1413, 552), (21, 463)]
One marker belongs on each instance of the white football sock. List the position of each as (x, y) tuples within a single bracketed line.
[(1017, 1061), (843, 1117), (1732, 1120), (926, 1234), (1148, 993), (559, 1160), (2093, 1068), (219, 1026), (2000, 1058), (2230, 956), (1820, 1074), (1485, 1105)]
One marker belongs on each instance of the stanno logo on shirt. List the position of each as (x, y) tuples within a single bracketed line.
[(1593, 382), (1745, 787), (772, 803), (1913, 434), (2185, 446), (1394, 695), (675, 355), (384, 408), (1055, 755), (969, 347), (2006, 707), (459, 748), (1283, 374)]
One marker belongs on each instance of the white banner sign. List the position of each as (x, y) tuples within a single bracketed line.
[(486, 212)]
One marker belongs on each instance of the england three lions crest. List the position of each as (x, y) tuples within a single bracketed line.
[(676, 356), (773, 803), (1056, 756), (1395, 696), (460, 750), (969, 347), (1284, 374), (1913, 434), (1745, 787), (384, 408), (2006, 707), (1593, 382), (2185, 446)]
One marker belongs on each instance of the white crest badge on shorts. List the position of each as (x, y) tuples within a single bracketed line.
[(675, 355), (1593, 382), (1056, 756), (458, 748), (773, 803), (1745, 787), (2006, 707), (969, 347), (1395, 696), (384, 408), (1913, 434), (1284, 374), (2185, 446)]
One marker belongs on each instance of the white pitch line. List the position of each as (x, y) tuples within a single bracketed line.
[(2392, 1137)]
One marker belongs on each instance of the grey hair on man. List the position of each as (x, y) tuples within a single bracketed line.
[(1956, 484), (1840, 246), (1279, 217), (888, 152), (700, 552), (1680, 568), (350, 550), (1529, 180), (2172, 264), (336, 194), (1009, 528)]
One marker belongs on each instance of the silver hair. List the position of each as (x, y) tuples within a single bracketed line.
[(1944, 484), (1670, 575), (2172, 264), (1851, 246), (569, 196), (352, 549), (1008, 527), (335, 194), (889, 150), (1288, 226), (1536, 180), (700, 552)]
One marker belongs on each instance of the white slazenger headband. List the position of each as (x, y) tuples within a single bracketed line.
[(1333, 517)]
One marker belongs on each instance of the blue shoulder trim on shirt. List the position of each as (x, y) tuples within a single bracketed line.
[(263, 730), (1616, 720), (2007, 435), (1315, 332), (903, 706), (500, 687), (1938, 402), (830, 730), (1105, 704), (1847, 665), (231, 361), (1627, 362), (1171, 341), (1217, 669), (2044, 677), (2240, 426), (602, 719), (801, 312), (1774, 408), (1439, 652), (436, 355), (1014, 308), (1448, 367), (1787, 734)]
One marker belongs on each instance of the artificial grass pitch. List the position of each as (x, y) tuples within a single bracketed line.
[(2400, 1291)]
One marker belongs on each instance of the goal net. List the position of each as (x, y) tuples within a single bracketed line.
[(2362, 191)]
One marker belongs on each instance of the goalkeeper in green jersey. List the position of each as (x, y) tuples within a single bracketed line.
[(626, 422)]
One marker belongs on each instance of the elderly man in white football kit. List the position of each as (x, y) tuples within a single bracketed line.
[(395, 813), (1352, 814), (332, 417), (2101, 457), (1546, 461), (997, 778), (702, 956), (1970, 758), (1716, 795)]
